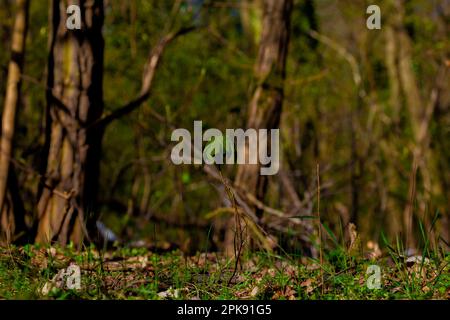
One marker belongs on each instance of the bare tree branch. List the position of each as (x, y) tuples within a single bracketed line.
[(147, 80), (344, 53)]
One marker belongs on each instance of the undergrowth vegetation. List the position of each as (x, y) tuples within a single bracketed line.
[(30, 273)]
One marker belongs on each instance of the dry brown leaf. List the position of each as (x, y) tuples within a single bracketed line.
[(308, 284), (170, 294), (290, 293), (255, 292)]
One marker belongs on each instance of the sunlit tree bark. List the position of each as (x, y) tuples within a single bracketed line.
[(266, 103), (75, 101), (10, 212), (267, 100)]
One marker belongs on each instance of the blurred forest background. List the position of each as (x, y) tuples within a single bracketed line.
[(88, 115)]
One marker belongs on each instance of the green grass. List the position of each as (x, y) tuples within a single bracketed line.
[(139, 274)]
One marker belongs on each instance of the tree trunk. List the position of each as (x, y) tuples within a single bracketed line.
[(266, 103), (392, 70), (10, 220), (420, 113), (75, 101)]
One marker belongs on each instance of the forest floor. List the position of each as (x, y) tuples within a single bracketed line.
[(33, 272)]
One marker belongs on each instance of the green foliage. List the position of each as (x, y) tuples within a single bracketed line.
[(363, 145), (139, 274)]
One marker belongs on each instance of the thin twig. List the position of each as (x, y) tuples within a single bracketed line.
[(320, 224)]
